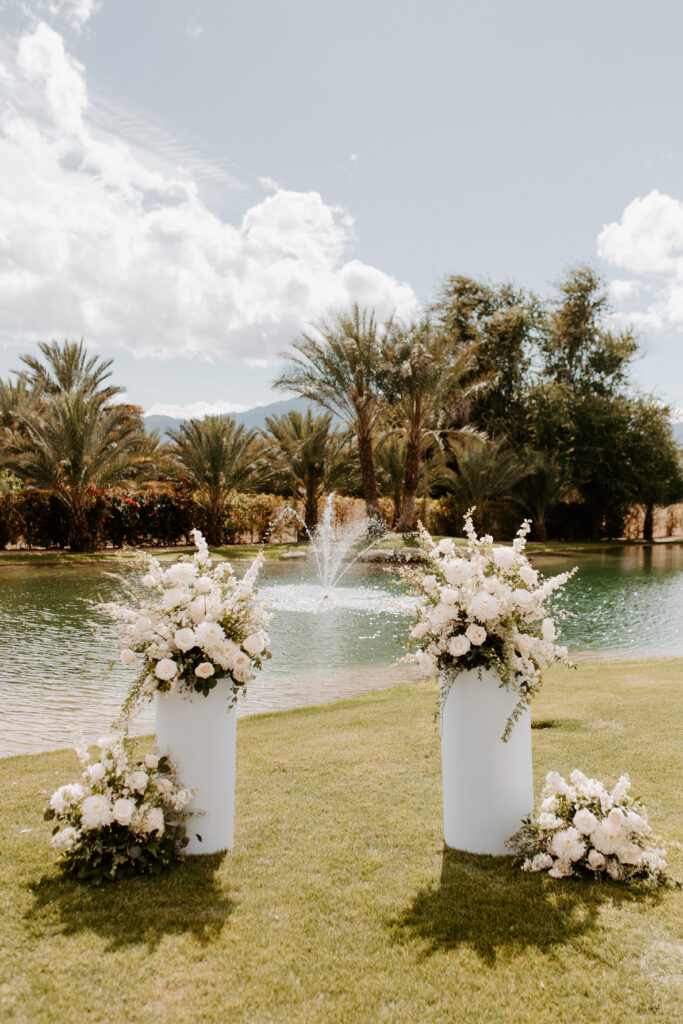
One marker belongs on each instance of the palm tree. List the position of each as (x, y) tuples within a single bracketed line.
[(543, 489), (217, 456), (67, 368), (308, 457), (390, 456), (73, 445), (428, 387), (340, 370), (486, 472)]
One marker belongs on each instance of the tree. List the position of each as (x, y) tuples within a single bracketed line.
[(501, 324), (655, 459), (74, 445), (340, 370), (486, 473), (217, 456), (68, 369), (427, 385), (308, 457), (390, 456), (544, 488)]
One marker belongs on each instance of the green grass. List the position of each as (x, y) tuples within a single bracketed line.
[(338, 901)]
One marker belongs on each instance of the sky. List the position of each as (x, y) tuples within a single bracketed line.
[(188, 184)]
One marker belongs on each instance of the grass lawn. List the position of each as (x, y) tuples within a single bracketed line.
[(338, 901)]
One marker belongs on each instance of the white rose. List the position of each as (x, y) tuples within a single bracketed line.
[(585, 821), (164, 786), (123, 810), (241, 667), (204, 670), (255, 644), (203, 585), (66, 796), (596, 861), (457, 571), (96, 812), (425, 662), (65, 839), (616, 816), (548, 630), (166, 669), (607, 837), (151, 762), (505, 558), (449, 596), (483, 607), (96, 772), (138, 781), (197, 609), (128, 656), (184, 639), (154, 821), (475, 634), (446, 547), (458, 645)]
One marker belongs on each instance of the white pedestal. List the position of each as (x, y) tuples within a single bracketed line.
[(487, 784), (200, 735)]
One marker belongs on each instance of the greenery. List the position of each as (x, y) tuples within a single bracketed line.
[(338, 902)]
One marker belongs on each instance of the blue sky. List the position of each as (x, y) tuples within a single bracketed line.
[(187, 184)]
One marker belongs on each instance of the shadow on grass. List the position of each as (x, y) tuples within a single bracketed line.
[(489, 905), (188, 899)]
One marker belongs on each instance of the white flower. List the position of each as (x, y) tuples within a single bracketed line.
[(607, 837), (164, 786), (596, 861), (614, 869), (621, 789), (151, 762), (143, 628), (241, 667), (96, 772), (175, 597), (483, 607), (449, 595), (457, 571), (184, 639), (166, 669), (568, 845), (548, 630), (585, 821), (209, 634), (475, 634), (561, 869), (204, 670), (255, 644), (541, 861), (458, 645), (425, 662), (505, 558), (96, 812), (149, 580), (107, 742), (616, 817), (446, 547), (198, 609), (65, 839), (153, 821), (528, 575), (549, 821), (549, 804), (181, 572), (128, 656), (66, 796), (556, 784), (630, 853), (203, 585), (522, 598), (429, 584), (636, 823), (138, 781), (123, 810), (654, 860), (420, 630)]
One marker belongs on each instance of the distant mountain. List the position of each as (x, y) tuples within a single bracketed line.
[(251, 418)]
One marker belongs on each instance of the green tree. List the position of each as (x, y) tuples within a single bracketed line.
[(428, 386), (73, 445), (544, 488), (307, 456), (486, 473), (67, 368), (216, 456), (655, 458), (340, 370)]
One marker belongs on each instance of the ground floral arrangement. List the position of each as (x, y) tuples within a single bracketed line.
[(198, 625), (121, 819), (583, 828), (486, 610)]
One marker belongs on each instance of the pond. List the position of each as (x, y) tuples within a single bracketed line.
[(54, 674)]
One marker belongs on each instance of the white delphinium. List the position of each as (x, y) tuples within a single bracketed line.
[(582, 827), (485, 610)]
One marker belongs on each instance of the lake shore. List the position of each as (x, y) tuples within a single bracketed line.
[(338, 901)]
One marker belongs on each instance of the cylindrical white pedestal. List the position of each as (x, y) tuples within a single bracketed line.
[(200, 735), (487, 784)]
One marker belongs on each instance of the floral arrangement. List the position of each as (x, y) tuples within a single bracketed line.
[(199, 624), (122, 819), (487, 609), (582, 828)]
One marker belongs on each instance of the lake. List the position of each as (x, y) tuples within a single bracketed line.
[(55, 675)]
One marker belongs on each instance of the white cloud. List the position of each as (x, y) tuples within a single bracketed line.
[(195, 410), (647, 242), (75, 12), (99, 238)]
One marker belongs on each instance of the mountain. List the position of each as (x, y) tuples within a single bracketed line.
[(250, 418)]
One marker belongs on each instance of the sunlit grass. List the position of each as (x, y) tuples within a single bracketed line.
[(338, 902)]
